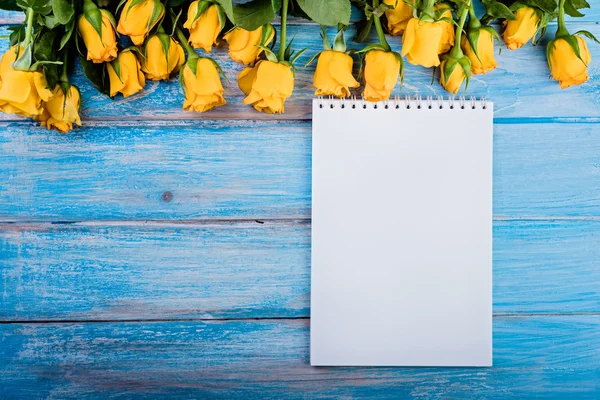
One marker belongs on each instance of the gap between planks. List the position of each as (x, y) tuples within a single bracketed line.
[(178, 120), (218, 320), (6, 223)]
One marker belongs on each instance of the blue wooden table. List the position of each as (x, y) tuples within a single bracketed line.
[(159, 253)]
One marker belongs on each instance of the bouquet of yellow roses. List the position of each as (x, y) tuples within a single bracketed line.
[(121, 44)]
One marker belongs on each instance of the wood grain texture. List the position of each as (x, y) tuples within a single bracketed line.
[(128, 271), (516, 87), (538, 357), (253, 170)]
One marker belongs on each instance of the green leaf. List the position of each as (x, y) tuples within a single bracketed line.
[(44, 47), (176, 3), (39, 6), (17, 34), (23, 61), (465, 63), (297, 55), (157, 14), (94, 17), (572, 7), (269, 53), (51, 74), (325, 39), (96, 73), (330, 12), (588, 35), (546, 5), (549, 48), (374, 46), (38, 64), (254, 14), (69, 29), (49, 21), (497, 10), (363, 31), (339, 43), (312, 59), (63, 11), (227, 6)]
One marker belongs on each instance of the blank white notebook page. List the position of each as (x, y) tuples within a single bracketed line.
[(402, 234)]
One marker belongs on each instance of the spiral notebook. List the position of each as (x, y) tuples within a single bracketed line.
[(402, 233)]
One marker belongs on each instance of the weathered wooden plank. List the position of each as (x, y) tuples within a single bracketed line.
[(547, 357), (250, 169), (124, 271), (520, 88)]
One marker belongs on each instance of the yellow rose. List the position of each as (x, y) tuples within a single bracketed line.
[(202, 85), (139, 17), (398, 17), (447, 40), (22, 92), (521, 30), (243, 44), (161, 57), (101, 47), (484, 61), (204, 23), (417, 42), (564, 64), (382, 69), (333, 76), (453, 73), (125, 74), (61, 111), (267, 85)]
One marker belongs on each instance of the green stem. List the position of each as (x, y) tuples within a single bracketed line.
[(456, 50), (29, 29), (428, 10), (64, 77), (283, 41), (379, 28), (474, 22), (191, 53), (562, 27)]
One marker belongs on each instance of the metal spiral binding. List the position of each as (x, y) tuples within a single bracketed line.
[(405, 102)]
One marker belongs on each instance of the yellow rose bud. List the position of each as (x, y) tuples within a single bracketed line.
[(243, 44), (22, 92), (125, 74), (267, 85), (382, 69), (139, 17), (101, 46), (333, 76), (564, 64), (398, 17), (447, 40), (202, 85), (417, 42), (161, 57), (521, 30), (453, 74), (60, 112), (483, 61), (204, 23)]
